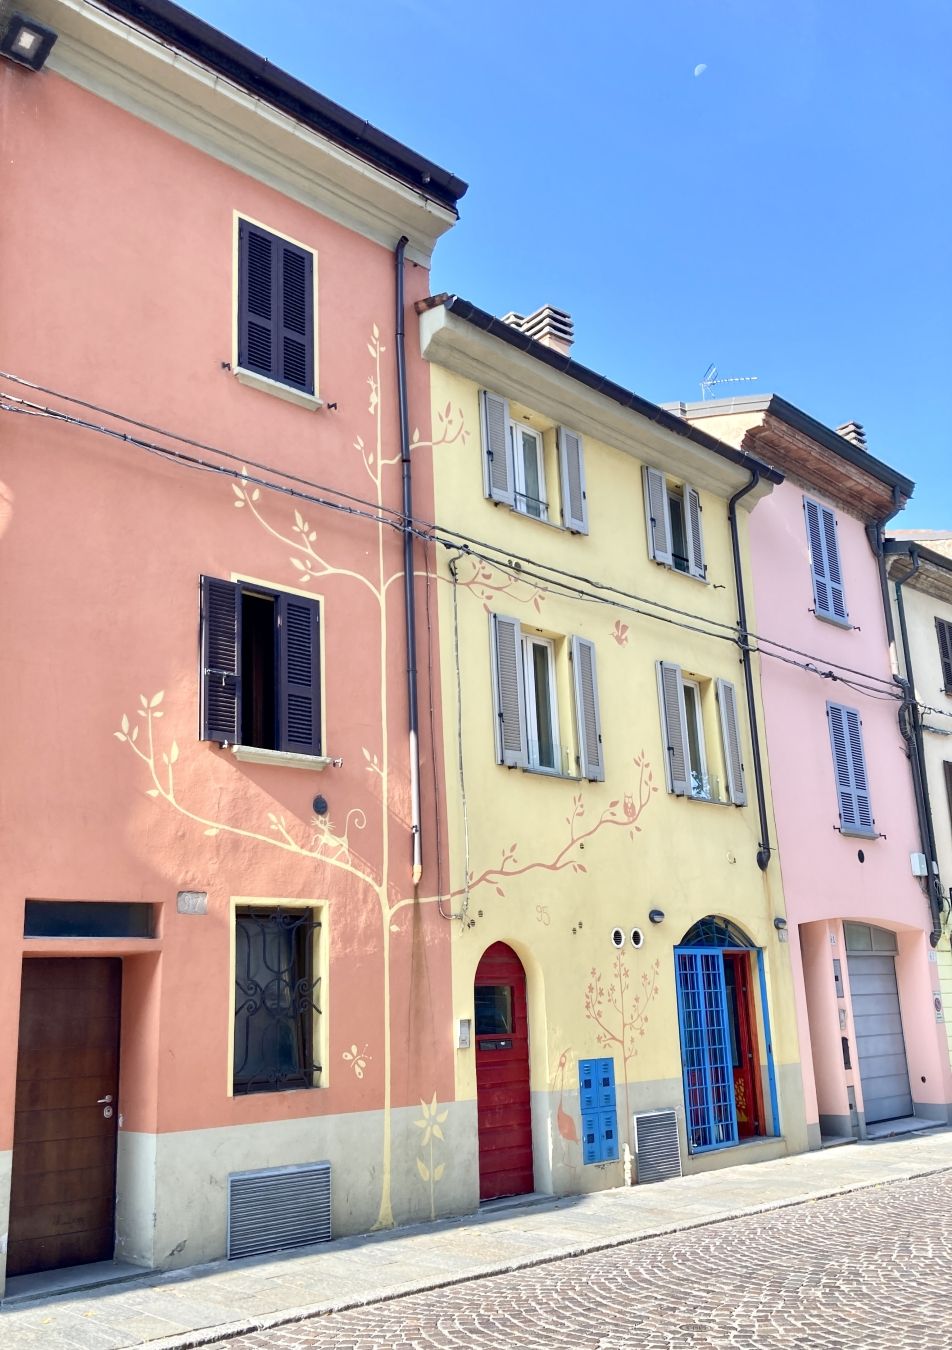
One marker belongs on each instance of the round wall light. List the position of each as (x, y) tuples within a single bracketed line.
[(656, 916)]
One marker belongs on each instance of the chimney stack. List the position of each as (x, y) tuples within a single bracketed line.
[(548, 325), (853, 432)]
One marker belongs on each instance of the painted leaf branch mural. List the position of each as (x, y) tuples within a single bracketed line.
[(431, 1123), (620, 1013)]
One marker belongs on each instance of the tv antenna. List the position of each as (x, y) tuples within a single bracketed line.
[(710, 380)]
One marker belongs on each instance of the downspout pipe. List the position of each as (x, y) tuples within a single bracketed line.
[(917, 759), (875, 532), (409, 592), (763, 853)]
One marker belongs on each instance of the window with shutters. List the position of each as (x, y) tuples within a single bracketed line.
[(829, 598), (534, 731), (849, 770), (673, 518), (532, 465), (261, 669), (701, 733), (277, 1000), (943, 630), (275, 309)]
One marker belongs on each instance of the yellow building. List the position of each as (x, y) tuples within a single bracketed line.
[(619, 960)]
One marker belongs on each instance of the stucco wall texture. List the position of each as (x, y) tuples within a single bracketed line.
[(829, 875), (123, 296)]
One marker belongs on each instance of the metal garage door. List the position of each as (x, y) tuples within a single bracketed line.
[(877, 1024)]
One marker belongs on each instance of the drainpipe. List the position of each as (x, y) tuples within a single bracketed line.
[(409, 593), (910, 724), (875, 532), (763, 853)]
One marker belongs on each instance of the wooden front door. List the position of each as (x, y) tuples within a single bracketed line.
[(63, 1192), (745, 1054), (502, 1075)]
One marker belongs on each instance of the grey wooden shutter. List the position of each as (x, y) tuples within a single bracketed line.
[(221, 661), (674, 728), (257, 300), (295, 310), (944, 633), (658, 516), (588, 718), (828, 595), (572, 471), (508, 692), (299, 675), (692, 529), (498, 472), (730, 735), (849, 765)]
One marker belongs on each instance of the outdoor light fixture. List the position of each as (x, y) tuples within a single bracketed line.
[(779, 924), (27, 42), (656, 915)]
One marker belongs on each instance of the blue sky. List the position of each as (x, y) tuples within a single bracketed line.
[(785, 213)]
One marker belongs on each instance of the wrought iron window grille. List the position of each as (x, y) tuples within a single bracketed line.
[(276, 1000)]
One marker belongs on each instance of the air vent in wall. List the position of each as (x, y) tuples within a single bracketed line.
[(277, 1209), (657, 1146)]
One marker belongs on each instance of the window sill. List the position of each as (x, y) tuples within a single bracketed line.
[(550, 524), (832, 619), (679, 571), (285, 391), (285, 759), (854, 832), (548, 773), (707, 801)]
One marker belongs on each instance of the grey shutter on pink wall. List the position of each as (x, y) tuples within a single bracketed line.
[(299, 675), (849, 766), (275, 307), (828, 594), (221, 661)]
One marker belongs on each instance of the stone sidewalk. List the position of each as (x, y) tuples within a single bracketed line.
[(199, 1306)]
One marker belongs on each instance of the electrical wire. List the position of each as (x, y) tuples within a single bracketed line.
[(551, 579)]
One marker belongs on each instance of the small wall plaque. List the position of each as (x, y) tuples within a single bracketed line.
[(192, 902)]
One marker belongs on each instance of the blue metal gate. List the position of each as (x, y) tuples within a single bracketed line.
[(711, 1117)]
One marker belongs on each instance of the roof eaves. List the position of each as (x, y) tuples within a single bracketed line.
[(206, 44), (600, 384)]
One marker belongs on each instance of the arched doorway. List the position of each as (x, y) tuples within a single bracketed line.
[(502, 1074), (718, 973)]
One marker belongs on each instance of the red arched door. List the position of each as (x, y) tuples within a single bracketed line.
[(502, 1075)]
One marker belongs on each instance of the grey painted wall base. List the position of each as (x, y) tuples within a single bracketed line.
[(840, 1127)]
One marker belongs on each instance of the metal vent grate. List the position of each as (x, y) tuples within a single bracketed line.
[(657, 1146), (280, 1208)]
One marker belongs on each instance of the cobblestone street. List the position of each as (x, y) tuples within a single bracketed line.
[(867, 1269)]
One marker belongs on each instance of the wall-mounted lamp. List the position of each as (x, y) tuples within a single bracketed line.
[(780, 924), (656, 915), (27, 42)]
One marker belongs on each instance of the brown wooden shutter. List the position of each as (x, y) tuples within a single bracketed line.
[(944, 633), (299, 675), (257, 300), (221, 661)]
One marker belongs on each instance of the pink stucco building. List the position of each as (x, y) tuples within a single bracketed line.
[(219, 939), (863, 927)]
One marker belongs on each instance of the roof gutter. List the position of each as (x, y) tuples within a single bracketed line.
[(205, 44)]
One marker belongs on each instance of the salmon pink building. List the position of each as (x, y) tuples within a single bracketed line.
[(864, 919), (224, 972)]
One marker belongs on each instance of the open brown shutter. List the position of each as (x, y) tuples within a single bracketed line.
[(730, 736), (572, 472), (221, 661), (299, 675), (590, 754), (658, 516), (509, 692), (944, 633), (674, 728), (498, 472)]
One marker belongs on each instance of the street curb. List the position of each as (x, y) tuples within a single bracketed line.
[(191, 1340)]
